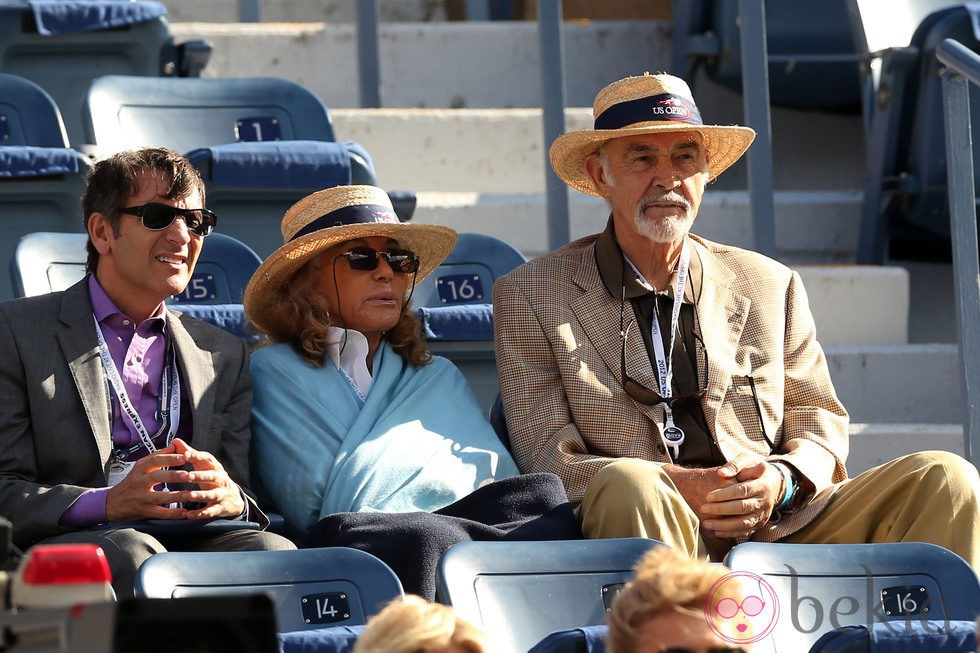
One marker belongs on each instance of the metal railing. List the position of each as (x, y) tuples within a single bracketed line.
[(962, 69)]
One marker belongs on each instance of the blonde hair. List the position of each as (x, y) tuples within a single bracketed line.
[(666, 580), (414, 625)]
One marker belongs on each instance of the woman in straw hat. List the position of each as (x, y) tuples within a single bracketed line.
[(351, 413)]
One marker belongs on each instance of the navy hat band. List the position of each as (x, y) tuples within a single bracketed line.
[(665, 107), (348, 215)]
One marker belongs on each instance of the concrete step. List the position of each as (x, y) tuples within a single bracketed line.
[(874, 444), (442, 64), (812, 227), (914, 383), (494, 150), (877, 384)]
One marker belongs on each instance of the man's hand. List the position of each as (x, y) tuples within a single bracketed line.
[(134, 499), (695, 484), (220, 494), (740, 508)]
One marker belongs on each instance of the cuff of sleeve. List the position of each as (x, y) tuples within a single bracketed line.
[(244, 515), (87, 510)]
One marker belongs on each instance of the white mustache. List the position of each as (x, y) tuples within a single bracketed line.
[(670, 197)]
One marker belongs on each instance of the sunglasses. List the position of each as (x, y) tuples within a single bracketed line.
[(650, 397), (156, 216), (365, 259)]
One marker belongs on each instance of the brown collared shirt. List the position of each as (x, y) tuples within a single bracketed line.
[(699, 448)]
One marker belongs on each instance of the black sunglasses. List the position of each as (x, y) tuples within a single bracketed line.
[(365, 259), (156, 216)]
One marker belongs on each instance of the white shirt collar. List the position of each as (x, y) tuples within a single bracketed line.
[(351, 357)]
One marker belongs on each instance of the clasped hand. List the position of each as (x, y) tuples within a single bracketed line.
[(134, 497), (733, 500)]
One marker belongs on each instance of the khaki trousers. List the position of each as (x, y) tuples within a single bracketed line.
[(931, 496)]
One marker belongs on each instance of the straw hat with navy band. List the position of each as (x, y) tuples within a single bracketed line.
[(332, 216), (646, 104)]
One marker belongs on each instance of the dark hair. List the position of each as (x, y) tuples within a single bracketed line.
[(298, 314), (114, 179)]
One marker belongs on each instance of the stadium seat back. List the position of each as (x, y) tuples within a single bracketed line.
[(28, 114), (816, 588), (41, 178), (469, 272), (183, 114), (905, 210), (586, 639), (223, 269), (812, 63), (523, 591), (921, 637), (312, 588), (83, 40), (251, 185), (44, 262)]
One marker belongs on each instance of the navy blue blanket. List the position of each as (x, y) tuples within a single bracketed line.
[(526, 507)]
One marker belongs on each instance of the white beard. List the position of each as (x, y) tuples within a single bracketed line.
[(667, 229)]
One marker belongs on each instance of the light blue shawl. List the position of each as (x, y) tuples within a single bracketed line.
[(417, 443)]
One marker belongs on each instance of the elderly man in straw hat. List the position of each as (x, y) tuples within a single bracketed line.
[(675, 384)]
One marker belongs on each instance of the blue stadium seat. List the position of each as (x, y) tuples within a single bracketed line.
[(44, 262), (456, 308), (917, 636), (905, 213), (587, 639), (63, 44), (184, 114), (523, 591), (261, 144), (339, 639), (820, 587), (468, 273), (254, 183), (812, 63), (231, 318), (312, 588), (223, 269), (41, 178)]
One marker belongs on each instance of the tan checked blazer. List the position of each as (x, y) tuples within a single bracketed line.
[(558, 356)]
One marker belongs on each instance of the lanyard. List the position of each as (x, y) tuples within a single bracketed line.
[(169, 411), (672, 435)]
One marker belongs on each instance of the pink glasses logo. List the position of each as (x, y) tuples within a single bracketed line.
[(743, 622)]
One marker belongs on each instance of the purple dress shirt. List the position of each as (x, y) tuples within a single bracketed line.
[(139, 352)]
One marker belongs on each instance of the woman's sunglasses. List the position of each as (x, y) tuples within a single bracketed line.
[(365, 259), (156, 216)]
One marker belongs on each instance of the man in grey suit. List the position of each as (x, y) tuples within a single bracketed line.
[(115, 409)]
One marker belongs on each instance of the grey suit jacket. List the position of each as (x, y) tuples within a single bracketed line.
[(55, 425)]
